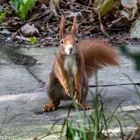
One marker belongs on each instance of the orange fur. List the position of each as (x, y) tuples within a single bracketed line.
[(97, 54)]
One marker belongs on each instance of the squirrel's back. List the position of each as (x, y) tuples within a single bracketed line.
[(97, 53)]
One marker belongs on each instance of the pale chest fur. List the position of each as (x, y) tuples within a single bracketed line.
[(70, 65)]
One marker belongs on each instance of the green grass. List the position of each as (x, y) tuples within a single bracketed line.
[(92, 128)]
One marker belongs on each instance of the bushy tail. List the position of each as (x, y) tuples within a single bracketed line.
[(97, 54)]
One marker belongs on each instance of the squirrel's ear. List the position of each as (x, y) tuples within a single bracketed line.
[(74, 29), (62, 27)]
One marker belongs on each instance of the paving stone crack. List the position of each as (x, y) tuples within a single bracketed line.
[(137, 84), (39, 80)]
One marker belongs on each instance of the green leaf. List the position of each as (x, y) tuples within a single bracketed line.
[(135, 29), (15, 5), (25, 6), (22, 7), (33, 40), (104, 6), (2, 16)]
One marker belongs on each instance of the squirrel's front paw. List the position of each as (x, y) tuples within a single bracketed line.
[(88, 107), (50, 107)]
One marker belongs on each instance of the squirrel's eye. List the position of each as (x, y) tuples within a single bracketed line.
[(61, 42), (76, 41)]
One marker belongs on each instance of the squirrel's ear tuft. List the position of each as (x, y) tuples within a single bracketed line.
[(74, 29), (62, 27)]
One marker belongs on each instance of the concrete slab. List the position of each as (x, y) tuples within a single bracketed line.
[(107, 76), (4, 59), (21, 98), (15, 79), (45, 59), (23, 112), (118, 75), (43, 55)]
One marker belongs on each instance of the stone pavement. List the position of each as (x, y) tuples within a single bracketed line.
[(22, 94)]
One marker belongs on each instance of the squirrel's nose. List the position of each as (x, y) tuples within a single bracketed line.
[(70, 50)]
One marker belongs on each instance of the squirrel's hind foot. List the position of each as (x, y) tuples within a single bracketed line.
[(50, 107), (84, 106), (88, 107)]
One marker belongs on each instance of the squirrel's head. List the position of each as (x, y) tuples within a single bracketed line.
[(68, 41)]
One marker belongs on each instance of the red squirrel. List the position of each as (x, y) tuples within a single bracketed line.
[(74, 64)]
